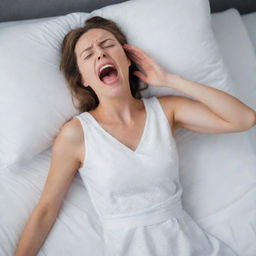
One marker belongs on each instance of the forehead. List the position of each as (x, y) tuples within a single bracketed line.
[(94, 35)]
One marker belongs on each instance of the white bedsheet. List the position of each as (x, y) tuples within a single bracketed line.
[(77, 230)]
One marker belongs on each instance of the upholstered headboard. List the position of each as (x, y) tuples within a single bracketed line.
[(31, 9), (243, 6), (11, 10)]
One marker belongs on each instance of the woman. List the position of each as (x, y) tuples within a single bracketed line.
[(119, 145)]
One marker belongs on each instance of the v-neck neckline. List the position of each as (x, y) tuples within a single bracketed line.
[(119, 142)]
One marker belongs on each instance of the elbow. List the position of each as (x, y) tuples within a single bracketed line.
[(251, 121), (246, 123)]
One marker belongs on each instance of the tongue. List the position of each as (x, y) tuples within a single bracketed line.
[(112, 75)]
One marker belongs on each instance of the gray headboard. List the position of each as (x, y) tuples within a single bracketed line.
[(243, 6), (30, 9)]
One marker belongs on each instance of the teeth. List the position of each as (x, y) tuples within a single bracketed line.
[(105, 66)]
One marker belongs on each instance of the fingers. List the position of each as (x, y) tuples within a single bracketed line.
[(134, 56), (133, 48), (137, 52), (134, 52), (140, 75)]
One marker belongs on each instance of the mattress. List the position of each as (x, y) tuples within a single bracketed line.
[(77, 230)]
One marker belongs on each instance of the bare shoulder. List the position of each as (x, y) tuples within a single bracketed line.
[(167, 103), (73, 132)]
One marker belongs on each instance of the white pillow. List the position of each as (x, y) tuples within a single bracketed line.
[(249, 21), (244, 85), (239, 55), (32, 87), (34, 100), (21, 22), (164, 29)]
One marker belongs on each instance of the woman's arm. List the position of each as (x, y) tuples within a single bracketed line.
[(35, 231), (64, 165), (212, 111), (220, 103)]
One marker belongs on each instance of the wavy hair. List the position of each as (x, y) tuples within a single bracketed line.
[(87, 98)]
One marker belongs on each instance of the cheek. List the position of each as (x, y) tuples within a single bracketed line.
[(122, 59), (87, 71), (126, 58)]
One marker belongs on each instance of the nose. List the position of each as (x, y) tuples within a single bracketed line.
[(100, 52), (101, 55)]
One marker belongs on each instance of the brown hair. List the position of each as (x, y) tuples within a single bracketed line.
[(87, 98)]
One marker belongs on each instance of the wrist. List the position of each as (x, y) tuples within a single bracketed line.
[(171, 80)]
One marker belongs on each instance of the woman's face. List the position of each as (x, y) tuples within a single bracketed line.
[(95, 48)]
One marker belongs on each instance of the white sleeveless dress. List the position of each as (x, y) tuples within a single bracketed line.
[(137, 194)]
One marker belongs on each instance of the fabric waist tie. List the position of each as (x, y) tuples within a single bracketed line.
[(171, 208)]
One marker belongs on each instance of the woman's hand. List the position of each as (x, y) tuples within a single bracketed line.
[(154, 74)]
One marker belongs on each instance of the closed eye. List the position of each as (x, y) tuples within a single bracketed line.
[(87, 56), (105, 47)]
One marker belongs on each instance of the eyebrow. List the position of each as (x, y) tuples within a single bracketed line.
[(90, 47)]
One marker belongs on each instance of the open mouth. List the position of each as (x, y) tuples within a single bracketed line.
[(108, 74)]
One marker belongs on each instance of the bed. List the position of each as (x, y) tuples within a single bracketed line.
[(218, 178)]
